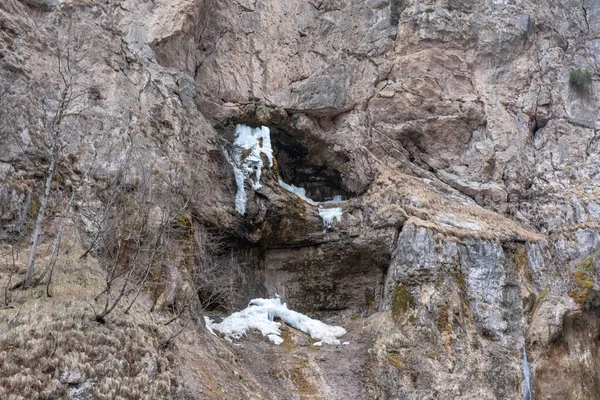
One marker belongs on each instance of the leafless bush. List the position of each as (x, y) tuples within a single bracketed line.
[(138, 232), (218, 273)]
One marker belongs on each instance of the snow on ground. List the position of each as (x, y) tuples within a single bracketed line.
[(259, 316), (246, 160)]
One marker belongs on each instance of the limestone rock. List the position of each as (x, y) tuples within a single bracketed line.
[(466, 159)]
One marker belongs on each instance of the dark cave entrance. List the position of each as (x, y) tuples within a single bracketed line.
[(311, 164), (303, 160)]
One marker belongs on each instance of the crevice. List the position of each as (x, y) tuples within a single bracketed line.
[(586, 19), (311, 244), (244, 8), (535, 128)]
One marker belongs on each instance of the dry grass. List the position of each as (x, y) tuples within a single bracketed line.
[(396, 193), (394, 359), (584, 281), (53, 347), (573, 228)]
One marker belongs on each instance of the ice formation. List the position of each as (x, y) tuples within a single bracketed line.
[(329, 215), (300, 192), (526, 383), (259, 315), (247, 163), (246, 159)]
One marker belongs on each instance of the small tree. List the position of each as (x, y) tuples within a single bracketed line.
[(139, 230), (72, 54), (218, 270)]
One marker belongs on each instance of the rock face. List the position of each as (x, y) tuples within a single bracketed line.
[(458, 133)]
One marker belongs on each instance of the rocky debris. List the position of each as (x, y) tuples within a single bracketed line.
[(83, 391)]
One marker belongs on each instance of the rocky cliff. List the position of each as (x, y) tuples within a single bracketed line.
[(462, 137)]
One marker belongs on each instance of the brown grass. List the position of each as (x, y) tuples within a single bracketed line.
[(53, 345), (444, 325), (395, 359), (395, 193)]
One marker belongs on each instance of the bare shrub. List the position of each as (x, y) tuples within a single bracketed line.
[(219, 271), (138, 231)]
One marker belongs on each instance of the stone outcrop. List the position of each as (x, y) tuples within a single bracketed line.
[(468, 156)]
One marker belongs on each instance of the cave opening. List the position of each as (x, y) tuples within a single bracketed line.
[(309, 163)]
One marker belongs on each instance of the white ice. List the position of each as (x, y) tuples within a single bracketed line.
[(259, 316), (526, 382), (247, 163), (329, 215), (246, 159), (300, 192)]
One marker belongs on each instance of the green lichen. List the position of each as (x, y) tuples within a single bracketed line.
[(402, 301), (587, 265), (395, 10), (295, 206)]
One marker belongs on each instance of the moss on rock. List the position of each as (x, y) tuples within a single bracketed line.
[(402, 301)]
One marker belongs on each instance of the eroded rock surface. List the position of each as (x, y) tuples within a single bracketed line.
[(467, 157)]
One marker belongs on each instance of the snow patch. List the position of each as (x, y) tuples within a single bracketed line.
[(300, 192), (208, 324), (329, 215), (246, 159), (259, 316)]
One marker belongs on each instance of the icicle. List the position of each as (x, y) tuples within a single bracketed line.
[(246, 159), (526, 384), (329, 215)]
